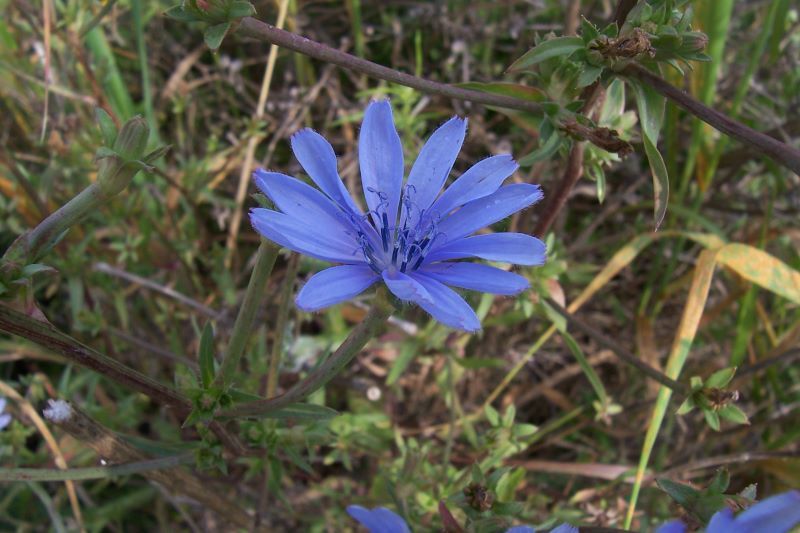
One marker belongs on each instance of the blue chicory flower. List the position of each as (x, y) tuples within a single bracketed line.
[(411, 235), (777, 514), (5, 418), (382, 520)]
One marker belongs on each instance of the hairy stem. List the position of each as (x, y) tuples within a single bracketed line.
[(280, 326), (250, 27), (265, 260), (358, 338)]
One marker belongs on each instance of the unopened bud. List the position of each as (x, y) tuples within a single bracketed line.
[(694, 41), (117, 170)]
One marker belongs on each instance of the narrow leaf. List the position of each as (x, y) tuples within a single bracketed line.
[(206, 356), (213, 35), (560, 46)]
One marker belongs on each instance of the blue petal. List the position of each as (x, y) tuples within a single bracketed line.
[(565, 528), (776, 514), (434, 164), (381, 157), (319, 241), (302, 201), (520, 529), (477, 277), (722, 522), (406, 288), (5, 419), (447, 306), (488, 210), (334, 285), (319, 161), (676, 526), (482, 179), (2, 404), (516, 248), (378, 520)]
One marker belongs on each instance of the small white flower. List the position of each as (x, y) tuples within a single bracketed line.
[(57, 411)]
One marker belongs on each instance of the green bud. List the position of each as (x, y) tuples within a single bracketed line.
[(117, 167), (693, 41)]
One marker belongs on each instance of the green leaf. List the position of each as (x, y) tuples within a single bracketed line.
[(240, 8), (214, 34), (35, 268), (206, 356), (545, 151), (733, 414), (514, 90), (560, 46), (104, 152), (302, 411), (719, 484), (591, 375), (492, 415), (687, 406), (180, 14), (589, 75), (407, 353), (682, 494), (712, 418), (651, 115), (107, 127), (721, 378)]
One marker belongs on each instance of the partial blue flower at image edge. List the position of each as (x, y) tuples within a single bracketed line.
[(5, 418), (411, 236), (776, 514), (382, 520)]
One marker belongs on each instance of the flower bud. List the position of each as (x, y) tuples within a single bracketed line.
[(117, 169), (693, 41)]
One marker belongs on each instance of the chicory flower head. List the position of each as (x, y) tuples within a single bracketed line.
[(5, 418), (411, 234), (777, 514), (382, 520)]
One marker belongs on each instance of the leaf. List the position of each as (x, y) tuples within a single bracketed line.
[(514, 90), (759, 267), (492, 415), (214, 34), (651, 114), (591, 375), (734, 414), (588, 75), (180, 14), (206, 355), (239, 9), (302, 411), (560, 46), (687, 406), (107, 127), (545, 151), (407, 353), (721, 378), (712, 419)]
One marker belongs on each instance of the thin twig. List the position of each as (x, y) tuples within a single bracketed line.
[(619, 351), (250, 27), (780, 152)]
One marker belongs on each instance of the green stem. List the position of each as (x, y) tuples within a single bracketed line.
[(280, 327), (352, 345), (97, 472), (32, 245), (265, 260)]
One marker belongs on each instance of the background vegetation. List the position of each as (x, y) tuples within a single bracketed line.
[(534, 420)]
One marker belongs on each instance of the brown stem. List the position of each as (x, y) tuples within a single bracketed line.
[(554, 203), (250, 27), (766, 145)]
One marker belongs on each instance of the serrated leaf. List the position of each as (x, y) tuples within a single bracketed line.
[(560, 46), (214, 34), (107, 127), (721, 378), (734, 414), (205, 356)]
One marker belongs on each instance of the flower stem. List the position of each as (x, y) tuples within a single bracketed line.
[(352, 345), (265, 260), (32, 245), (280, 326)]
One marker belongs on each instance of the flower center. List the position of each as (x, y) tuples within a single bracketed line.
[(402, 246)]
